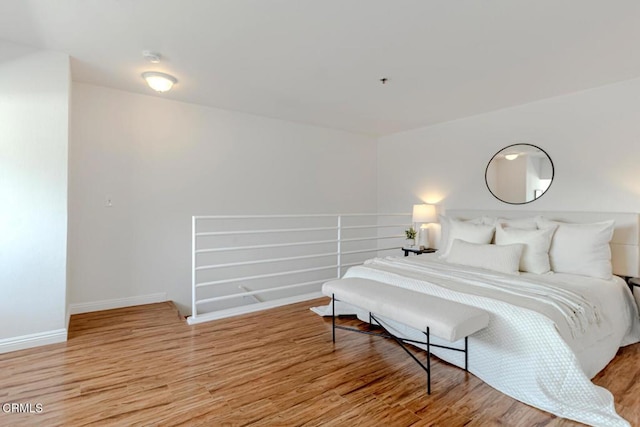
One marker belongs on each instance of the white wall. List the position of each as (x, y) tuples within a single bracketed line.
[(160, 162), (34, 116), (592, 137)]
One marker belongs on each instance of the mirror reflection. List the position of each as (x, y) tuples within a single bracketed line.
[(519, 173)]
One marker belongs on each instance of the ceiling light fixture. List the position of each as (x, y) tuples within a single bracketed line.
[(160, 82), (510, 156)]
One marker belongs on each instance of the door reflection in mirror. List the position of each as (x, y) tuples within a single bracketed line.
[(519, 173)]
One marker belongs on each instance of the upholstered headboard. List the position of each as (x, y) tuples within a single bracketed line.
[(625, 244)]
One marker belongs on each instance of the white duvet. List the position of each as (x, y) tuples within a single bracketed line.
[(548, 334)]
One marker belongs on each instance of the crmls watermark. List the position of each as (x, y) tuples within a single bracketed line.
[(22, 408)]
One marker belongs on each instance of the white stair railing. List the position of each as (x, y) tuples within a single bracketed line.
[(246, 263)]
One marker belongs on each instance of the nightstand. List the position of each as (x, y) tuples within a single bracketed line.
[(418, 251)]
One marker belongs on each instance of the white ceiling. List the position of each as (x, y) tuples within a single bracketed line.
[(320, 61)]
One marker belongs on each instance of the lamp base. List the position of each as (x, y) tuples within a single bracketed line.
[(423, 236)]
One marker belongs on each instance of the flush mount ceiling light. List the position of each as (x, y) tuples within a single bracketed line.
[(510, 156), (160, 82)]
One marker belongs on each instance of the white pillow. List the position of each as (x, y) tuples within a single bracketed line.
[(469, 231), (535, 254), (504, 258), (581, 249), (445, 225)]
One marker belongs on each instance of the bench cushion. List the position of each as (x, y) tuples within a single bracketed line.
[(446, 319)]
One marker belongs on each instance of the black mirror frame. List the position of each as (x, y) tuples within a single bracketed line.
[(486, 170)]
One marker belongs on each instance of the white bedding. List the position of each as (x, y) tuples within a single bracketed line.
[(542, 344)]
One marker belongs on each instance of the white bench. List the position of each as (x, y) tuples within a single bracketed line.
[(443, 318)]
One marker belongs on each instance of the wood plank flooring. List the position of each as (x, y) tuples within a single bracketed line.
[(145, 366)]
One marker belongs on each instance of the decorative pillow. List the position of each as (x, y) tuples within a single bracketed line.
[(463, 230), (503, 258), (535, 254), (581, 249)]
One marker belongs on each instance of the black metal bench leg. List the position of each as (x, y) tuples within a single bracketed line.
[(402, 341), (333, 317), (466, 354), (428, 363)]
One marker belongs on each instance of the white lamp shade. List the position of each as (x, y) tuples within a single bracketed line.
[(160, 82), (424, 213)]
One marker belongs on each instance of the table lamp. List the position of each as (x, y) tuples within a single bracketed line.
[(423, 215)]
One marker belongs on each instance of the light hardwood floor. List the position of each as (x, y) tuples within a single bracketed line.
[(145, 366)]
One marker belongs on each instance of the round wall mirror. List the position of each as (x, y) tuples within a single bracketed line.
[(519, 173)]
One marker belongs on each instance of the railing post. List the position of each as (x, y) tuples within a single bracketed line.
[(194, 307), (339, 260)]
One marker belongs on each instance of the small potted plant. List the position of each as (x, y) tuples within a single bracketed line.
[(411, 236)]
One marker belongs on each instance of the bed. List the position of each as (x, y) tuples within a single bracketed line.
[(550, 332)]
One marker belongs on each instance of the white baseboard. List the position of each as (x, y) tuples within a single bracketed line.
[(86, 307), (33, 340), (244, 309)]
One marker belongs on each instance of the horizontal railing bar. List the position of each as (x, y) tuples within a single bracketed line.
[(355, 227), (294, 216), (262, 231), (261, 291), (274, 245), (370, 250), (265, 261), (374, 214), (264, 276), (264, 216), (362, 239), (351, 264), (390, 248)]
